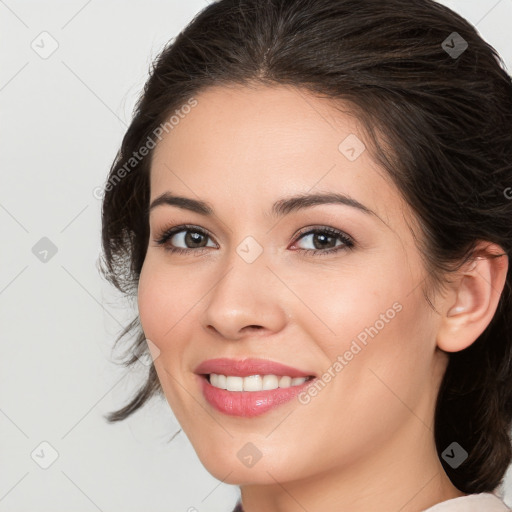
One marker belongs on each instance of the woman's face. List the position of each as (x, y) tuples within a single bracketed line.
[(255, 281)]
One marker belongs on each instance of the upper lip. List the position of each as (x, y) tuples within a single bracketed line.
[(246, 367)]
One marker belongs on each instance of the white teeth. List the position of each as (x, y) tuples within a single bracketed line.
[(221, 381), (285, 382), (254, 382), (234, 383), (270, 382)]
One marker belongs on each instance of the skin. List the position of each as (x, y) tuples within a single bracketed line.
[(365, 442)]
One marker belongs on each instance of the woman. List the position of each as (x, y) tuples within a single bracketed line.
[(313, 207)]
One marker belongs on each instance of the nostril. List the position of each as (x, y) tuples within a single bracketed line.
[(252, 328)]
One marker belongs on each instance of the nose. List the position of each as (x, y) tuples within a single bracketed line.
[(248, 300)]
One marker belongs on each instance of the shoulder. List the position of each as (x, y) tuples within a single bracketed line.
[(471, 503)]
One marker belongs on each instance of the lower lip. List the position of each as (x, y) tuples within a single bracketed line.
[(248, 403)]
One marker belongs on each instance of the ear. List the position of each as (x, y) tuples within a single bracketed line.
[(472, 298)]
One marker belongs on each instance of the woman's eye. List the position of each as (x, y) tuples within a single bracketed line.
[(324, 241), (191, 238), (183, 239)]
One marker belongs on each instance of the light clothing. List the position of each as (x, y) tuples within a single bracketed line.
[(483, 502)]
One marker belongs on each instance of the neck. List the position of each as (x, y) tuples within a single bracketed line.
[(405, 475)]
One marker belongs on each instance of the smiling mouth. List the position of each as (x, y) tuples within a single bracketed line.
[(253, 383)]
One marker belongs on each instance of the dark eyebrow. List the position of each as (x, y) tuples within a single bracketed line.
[(182, 202), (279, 209), (291, 204)]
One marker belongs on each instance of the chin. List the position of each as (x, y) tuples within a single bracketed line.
[(229, 474), (230, 467)]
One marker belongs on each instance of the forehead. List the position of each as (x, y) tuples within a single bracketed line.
[(244, 146), (276, 123)]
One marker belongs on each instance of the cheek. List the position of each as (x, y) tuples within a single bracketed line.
[(372, 315), (149, 301), (357, 297), (386, 341), (163, 299), (170, 301), (165, 304)]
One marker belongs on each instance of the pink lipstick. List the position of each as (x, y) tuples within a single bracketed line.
[(249, 387)]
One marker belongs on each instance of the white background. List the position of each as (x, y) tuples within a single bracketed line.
[(62, 121)]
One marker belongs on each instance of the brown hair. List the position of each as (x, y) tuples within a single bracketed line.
[(443, 114)]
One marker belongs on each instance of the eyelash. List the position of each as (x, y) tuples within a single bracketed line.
[(348, 242)]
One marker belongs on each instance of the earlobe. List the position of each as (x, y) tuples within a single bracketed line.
[(473, 298)]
